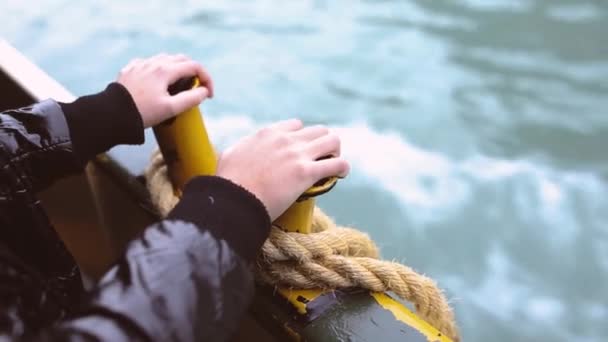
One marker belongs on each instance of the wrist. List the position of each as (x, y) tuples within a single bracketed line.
[(226, 209), (99, 122)]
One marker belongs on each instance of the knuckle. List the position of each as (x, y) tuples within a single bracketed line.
[(198, 67), (160, 69), (301, 170), (264, 132), (334, 138), (335, 141), (324, 130), (283, 139), (298, 124), (291, 154), (167, 106), (145, 65)]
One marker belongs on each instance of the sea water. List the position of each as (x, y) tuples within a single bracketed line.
[(477, 129)]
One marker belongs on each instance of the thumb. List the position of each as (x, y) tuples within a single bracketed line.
[(188, 99)]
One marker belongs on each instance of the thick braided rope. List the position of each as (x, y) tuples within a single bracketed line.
[(331, 257)]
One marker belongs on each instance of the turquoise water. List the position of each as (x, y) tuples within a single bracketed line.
[(477, 129)]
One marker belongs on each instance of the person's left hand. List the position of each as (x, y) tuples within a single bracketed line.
[(147, 80)]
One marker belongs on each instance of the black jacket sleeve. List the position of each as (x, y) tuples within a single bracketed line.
[(49, 140), (186, 278)]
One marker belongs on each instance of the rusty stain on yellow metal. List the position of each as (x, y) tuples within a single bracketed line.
[(300, 298)]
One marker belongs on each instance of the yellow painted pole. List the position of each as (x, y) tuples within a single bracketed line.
[(298, 218), (184, 143)]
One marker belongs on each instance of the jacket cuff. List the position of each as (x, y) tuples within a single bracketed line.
[(101, 121), (228, 211)]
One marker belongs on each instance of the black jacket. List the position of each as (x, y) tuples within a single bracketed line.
[(186, 278)]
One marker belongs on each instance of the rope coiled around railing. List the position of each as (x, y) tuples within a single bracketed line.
[(332, 257)]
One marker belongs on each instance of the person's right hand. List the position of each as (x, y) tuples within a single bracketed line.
[(148, 80), (280, 162)]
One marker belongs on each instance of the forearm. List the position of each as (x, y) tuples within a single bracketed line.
[(50, 140), (101, 121), (186, 278)]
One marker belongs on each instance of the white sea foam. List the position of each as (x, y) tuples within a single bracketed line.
[(497, 294), (577, 12), (500, 295)]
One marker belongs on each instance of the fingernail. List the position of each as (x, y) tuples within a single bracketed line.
[(205, 92)]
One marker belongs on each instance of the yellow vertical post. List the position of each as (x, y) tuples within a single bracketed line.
[(185, 145), (298, 218)]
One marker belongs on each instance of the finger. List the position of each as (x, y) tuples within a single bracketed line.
[(329, 168), (188, 69), (311, 132), (161, 57), (327, 145), (155, 62), (287, 125), (205, 79), (178, 58), (133, 63), (187, 99), (165, 60)]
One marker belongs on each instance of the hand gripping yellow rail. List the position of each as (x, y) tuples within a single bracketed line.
[(188, 152)]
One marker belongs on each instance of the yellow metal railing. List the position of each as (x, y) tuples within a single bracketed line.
[(188, 152)]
